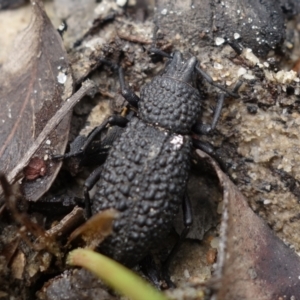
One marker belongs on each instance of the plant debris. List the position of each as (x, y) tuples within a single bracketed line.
[(36, 81)]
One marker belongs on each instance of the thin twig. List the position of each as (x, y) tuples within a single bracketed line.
[(85, 89)]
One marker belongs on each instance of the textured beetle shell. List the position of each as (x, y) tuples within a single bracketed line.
[(169, 103), (144, 177), (146, 172)]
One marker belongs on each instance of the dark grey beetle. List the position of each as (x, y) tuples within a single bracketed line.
[(147, 168), (146, 172)]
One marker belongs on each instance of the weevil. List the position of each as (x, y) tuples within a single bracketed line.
[(147, 168)]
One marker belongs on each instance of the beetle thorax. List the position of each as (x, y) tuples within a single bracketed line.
[(169, 103)]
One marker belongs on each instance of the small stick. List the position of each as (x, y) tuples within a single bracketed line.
[(87, 87)]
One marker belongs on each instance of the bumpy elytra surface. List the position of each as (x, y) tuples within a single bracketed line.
[(146, 172), (143, 178)]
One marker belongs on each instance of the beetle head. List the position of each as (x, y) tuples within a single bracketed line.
[(171, 100), (180, 69)]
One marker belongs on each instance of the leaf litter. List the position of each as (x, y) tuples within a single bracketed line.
[(253, 263), (33, 89)]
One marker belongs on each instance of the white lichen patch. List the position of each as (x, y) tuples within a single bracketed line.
[(283, 77), (219, 41), (164, 11), (61, 77), (250, 56), (62, 27), (106, 6), (218, 66), (249, 76), (236, 36), (241, 71), (121, 2), (177, 141)]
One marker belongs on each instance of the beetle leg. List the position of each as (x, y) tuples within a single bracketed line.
[(208, 78), (188, 221), (160, 52), (237, 47), (210, 150), (126, 92), (206, 128), (204, 146), (149, 268), (114, 120), (88, 185)]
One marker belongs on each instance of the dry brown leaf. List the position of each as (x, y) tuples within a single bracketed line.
[(96, 229), (36, 80), (253, 263)]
